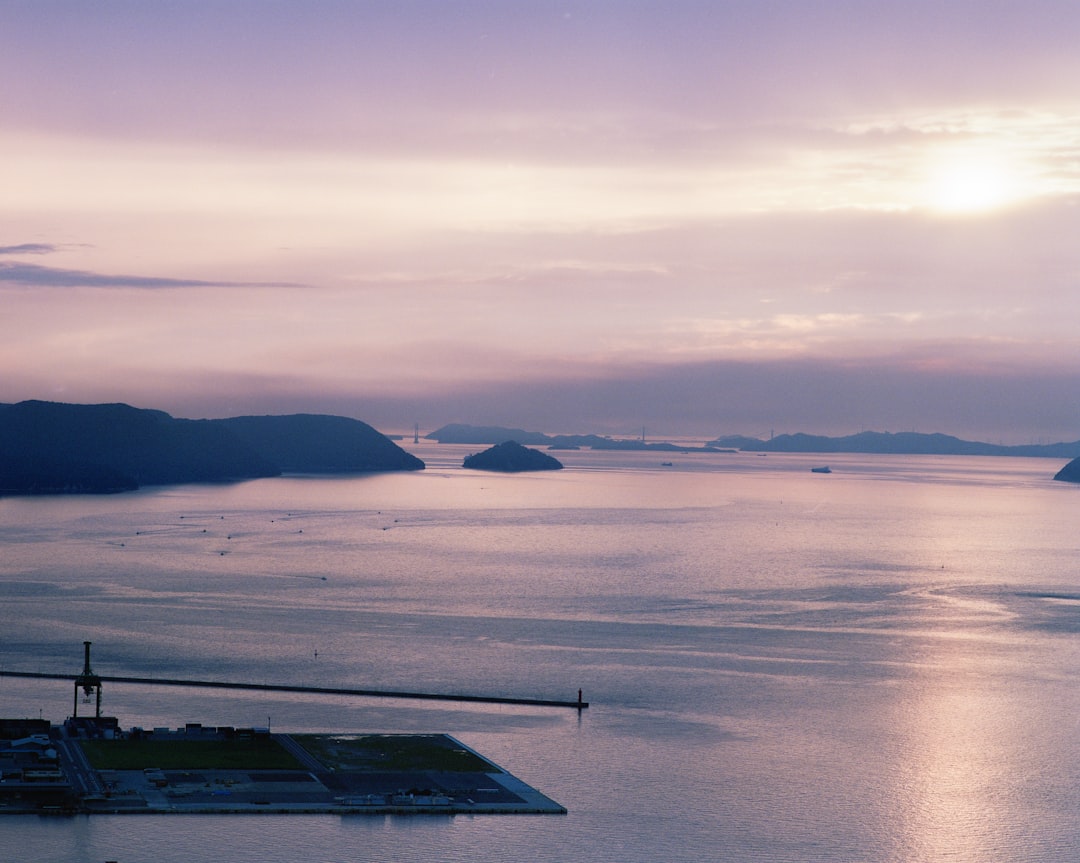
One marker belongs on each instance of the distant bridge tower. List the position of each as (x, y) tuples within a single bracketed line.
[(416, 433), (89, 683)]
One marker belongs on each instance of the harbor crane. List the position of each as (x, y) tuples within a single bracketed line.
[(89, 683)]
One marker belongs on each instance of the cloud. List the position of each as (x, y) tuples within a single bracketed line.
[(705, 399), (496, 204), (28, 249), (752, 398), (32, 275)]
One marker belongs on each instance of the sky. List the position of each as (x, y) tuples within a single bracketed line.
[(700, 217)]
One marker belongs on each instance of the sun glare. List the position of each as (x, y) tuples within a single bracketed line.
[(970, 183)]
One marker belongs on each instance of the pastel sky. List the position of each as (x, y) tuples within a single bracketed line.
[(699, 217)]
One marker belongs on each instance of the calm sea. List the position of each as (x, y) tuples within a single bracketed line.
[(878, 664)]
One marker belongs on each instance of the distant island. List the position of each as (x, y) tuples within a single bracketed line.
[(902, 443), (511, 457), (460, 433), (57, 448)]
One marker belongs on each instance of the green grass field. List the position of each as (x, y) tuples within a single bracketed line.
[(187, 755), (362, 752)]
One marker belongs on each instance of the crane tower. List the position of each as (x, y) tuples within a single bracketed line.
[(89, 682)]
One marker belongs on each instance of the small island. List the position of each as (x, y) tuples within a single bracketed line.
[(511, 457), (1069, 473)]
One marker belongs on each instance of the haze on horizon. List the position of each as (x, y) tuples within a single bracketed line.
[(699, 217)]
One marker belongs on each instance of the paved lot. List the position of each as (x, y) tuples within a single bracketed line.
[(317, 787)]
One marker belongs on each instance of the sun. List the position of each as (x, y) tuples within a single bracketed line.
[(970, 182)]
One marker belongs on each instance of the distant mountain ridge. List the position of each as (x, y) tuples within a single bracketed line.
[(56, 448), (901, 443), (461, 433)]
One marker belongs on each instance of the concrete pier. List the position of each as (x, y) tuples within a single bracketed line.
[(577, 704)]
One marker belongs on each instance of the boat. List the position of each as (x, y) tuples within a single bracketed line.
[(823, 469)]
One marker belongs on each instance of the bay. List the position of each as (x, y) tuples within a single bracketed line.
[(871, 665)]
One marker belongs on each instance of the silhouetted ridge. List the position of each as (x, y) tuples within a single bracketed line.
[(461, 433), (901, 443), (49, 447), (146, 447), (314, 443)]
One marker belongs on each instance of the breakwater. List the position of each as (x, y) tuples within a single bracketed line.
[(579, 704)]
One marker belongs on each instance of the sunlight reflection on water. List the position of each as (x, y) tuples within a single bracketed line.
[(874, 665)]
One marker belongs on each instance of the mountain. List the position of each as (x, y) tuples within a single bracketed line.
[(50, 448), (511, 457), (53, 447), (315, 443)]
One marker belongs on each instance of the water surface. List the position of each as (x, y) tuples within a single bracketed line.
[(871, 665)]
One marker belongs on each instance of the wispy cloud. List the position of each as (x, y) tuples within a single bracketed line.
[(629, 214), (28, 249), (32, 275)]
